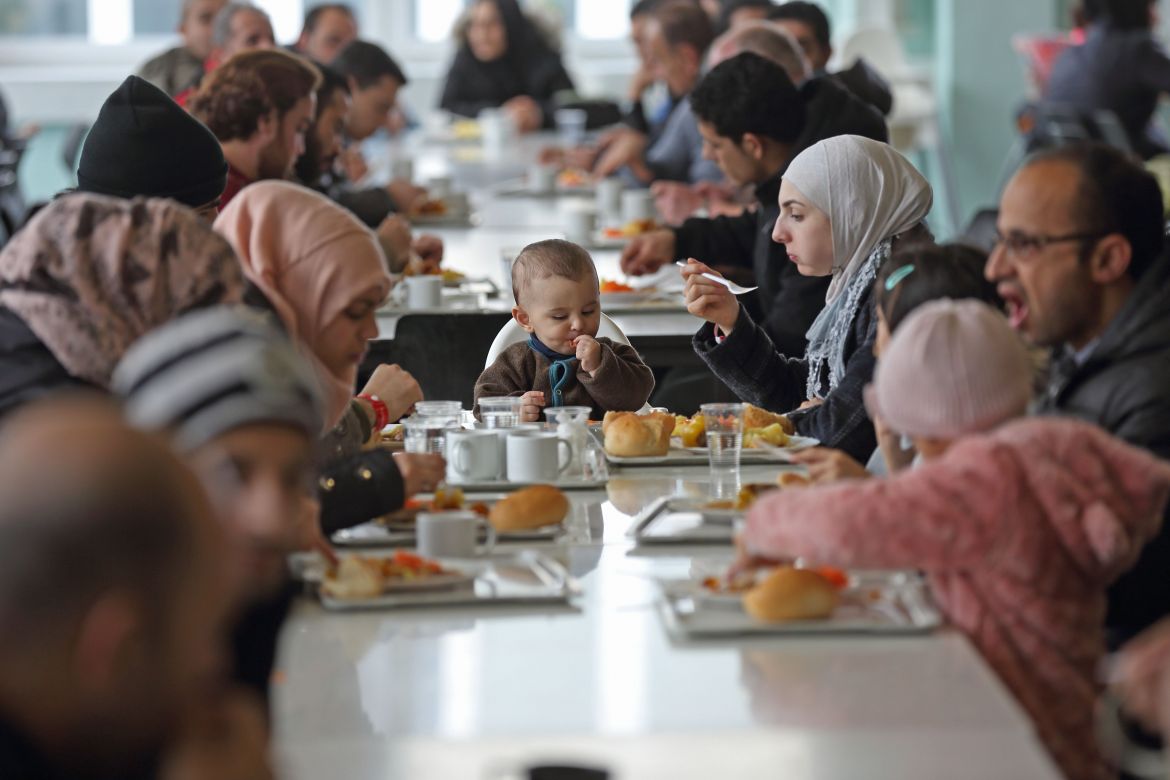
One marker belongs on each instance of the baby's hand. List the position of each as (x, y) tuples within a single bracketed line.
[(531, 404), (588, 353)]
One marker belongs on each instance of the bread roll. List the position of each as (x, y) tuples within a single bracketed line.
[(629, 435), (791, 594), (355, 578), (793, 479), (530, 508), (755, 417)]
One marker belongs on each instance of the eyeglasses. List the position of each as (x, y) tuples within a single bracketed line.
[(1024, 246)]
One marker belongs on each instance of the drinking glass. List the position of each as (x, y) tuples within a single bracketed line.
[(724, 423), (500, 412), (441, 410), (426, 435)]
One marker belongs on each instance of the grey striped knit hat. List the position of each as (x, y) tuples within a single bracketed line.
[(215, 370)]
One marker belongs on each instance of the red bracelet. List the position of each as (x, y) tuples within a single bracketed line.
[(381, 410)]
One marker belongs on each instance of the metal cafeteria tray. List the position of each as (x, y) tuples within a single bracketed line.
[(524, 578), (677, 520), (893, 602)]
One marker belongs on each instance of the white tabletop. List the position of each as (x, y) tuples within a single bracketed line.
[(462, 693), (454, 693)]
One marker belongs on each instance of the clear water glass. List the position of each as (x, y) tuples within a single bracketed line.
[(448, 411), (499, 412), (724, 423), (426, 435)]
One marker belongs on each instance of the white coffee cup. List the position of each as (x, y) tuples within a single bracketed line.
[(402, 169), (637, 205), (609, 197), (537, 456), (473, 456), (424, 292), (580, 224), (496, 130), (458, 204), (452, 535), (542, 179), (439, 187)]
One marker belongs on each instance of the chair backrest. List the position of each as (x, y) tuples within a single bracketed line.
[(878, 46), (441, 351), (512, 333)]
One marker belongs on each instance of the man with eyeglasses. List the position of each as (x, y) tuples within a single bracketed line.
[(1080, 263)]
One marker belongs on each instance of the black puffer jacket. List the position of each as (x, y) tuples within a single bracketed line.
[(1124, 387)]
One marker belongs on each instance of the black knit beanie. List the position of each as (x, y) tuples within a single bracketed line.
[(144, 143)]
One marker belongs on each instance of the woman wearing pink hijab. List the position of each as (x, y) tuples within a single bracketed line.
[(323, 273)]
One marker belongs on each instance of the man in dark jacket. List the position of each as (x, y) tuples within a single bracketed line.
[(809, 25), (1121, 67), (373, 80), (754, 139), (1081, 266)]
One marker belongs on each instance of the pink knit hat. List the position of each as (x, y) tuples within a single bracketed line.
[(951, 369)]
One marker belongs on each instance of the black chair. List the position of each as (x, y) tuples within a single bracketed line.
[(981, 230), (444, 352), (1048, 125)]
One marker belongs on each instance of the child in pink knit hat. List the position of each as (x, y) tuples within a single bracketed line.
[(1018, 525)]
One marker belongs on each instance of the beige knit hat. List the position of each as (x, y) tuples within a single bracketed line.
[(952, 368)]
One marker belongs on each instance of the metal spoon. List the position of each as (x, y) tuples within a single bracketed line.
[(735, 289)]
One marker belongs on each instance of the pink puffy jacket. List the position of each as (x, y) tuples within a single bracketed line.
[(1019, 532)]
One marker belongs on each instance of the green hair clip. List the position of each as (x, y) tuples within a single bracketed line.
[(897, 276)]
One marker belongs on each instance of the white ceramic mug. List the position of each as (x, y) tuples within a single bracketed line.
[(580, 225), (637, 205), (458, 204), (473, 456), (424, 292), (542, 179), (571, 126), (452, 535), (496, 131), (609, 197), (537, 456), (439, 187), (402, 169)]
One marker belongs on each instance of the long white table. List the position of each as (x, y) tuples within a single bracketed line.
[(462, 693)]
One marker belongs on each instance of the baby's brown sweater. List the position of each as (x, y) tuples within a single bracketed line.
[(622, 383)]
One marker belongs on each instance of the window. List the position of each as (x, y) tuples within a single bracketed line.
[(588, 19), (113, 22), (44, 17)]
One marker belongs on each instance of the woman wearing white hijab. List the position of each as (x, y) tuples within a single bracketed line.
[(844, 202)]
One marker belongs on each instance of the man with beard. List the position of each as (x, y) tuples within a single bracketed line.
[(324, 143), (260, 105), (1081, 264)]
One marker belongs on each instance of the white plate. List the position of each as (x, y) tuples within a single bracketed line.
[(445, 581), (611, 299)]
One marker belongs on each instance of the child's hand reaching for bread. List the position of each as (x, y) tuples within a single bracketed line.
[(531, 405), (588, 353)]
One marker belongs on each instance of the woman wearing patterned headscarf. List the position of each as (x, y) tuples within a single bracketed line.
[(90, 275), (844, 205)]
